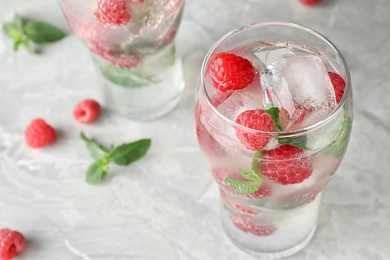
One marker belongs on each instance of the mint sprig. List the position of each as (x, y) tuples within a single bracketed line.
[(300, 141), (24, 32), (121, 155), (253, 176)]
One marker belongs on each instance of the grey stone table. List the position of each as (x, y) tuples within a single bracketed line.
[(165, 206)]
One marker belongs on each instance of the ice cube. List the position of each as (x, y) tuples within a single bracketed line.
[(231, 107), (269, 55), (300, 86)]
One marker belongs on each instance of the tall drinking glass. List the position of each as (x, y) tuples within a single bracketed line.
[(273, 118), (133, 47)]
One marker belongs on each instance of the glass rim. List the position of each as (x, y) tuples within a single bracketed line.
[(282, 24)]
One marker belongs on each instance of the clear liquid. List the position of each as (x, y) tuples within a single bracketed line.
[(289, 212)]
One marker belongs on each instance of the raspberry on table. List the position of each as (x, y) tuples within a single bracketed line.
[(38, 134), (113, 12), (231, 72), (310, 2), (12, 243), (86, 111), (338, 85), (252, 225), (286, 164), (258, 120)]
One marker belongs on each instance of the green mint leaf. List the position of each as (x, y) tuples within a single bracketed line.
[(243, 187), (250, 174), (12, 31), (41, 32), (299, 142), (130, 152), (274, 113), (339, 144), (124, 77), (97, 171), (96, 150), (18, 21)]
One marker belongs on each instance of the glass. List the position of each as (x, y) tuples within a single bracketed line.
[(132, 43), (273, 117)]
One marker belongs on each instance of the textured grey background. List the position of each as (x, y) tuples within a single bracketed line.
[(166, 206)]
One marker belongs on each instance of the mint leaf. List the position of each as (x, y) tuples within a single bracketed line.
[(41, 32), (250, 174), (96, 150), (244, 187), (124, 77), (253, 175), (121, 155), (130, 152), (274, 113), (300, 141), (11, 30), (339, 144), (97, 171)]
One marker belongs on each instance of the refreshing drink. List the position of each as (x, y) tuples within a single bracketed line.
[(273, 118), (133, 47)]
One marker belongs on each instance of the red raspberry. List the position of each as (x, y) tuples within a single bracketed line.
[(338, 85), (231, 72), (136, 1), (252, 225), (12, 243), (38, 134), (310, 2), (258, 120), (286, 164), (86, 111), (113, 12)]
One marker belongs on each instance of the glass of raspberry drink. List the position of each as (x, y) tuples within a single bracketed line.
[(133, 47), (273, 118)]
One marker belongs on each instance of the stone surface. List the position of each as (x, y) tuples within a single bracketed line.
[(165, 206)]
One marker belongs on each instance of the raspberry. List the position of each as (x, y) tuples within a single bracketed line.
[(310, 2), (86, 111), (38, 134), (338, 85), (286, 164), (231, 72), (113, 12), (12, 243), (257, 120), (252, 225)]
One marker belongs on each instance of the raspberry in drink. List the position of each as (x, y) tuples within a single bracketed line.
[(134, 52), (278, 134)]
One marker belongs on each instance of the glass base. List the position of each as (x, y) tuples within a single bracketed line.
[(278, 255), (143, 113), (292, 230)]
